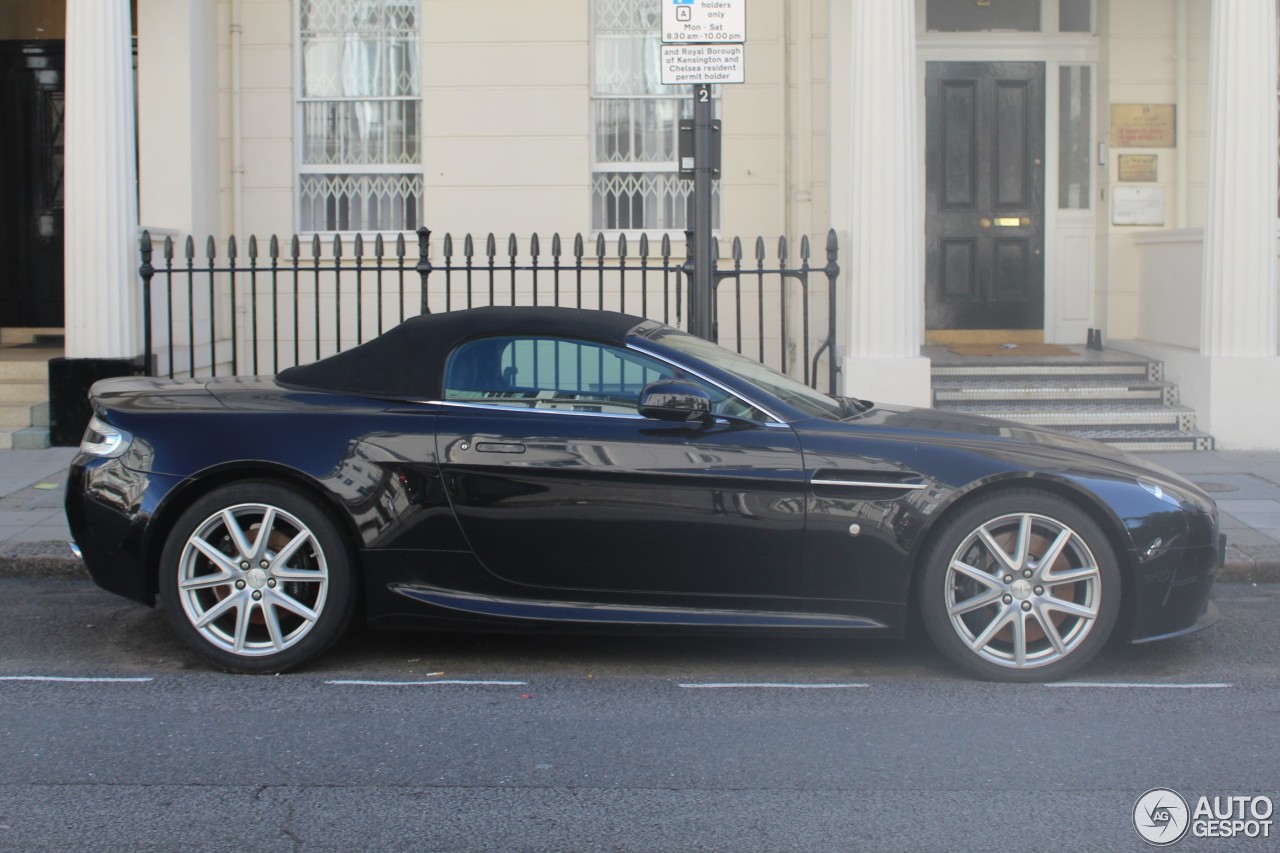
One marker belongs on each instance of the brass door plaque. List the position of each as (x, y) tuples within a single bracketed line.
[(1142, 125), (1138, 168)]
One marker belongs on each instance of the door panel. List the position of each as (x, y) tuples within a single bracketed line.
[(627, 504), (31, 214), (985, 195)]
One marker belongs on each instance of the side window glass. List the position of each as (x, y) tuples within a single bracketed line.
[(565, 375), (551, 373)]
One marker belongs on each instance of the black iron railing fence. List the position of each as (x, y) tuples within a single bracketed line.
[(262, 311)]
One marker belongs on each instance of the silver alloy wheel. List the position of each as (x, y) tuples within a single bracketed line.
[(252, 579), (1023, 590)]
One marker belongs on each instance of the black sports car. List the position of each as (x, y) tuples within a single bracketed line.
[(546, 467)]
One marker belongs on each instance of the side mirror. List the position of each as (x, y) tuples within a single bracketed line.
[(674, 400)]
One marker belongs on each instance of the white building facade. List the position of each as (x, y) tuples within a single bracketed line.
[(999, 170)]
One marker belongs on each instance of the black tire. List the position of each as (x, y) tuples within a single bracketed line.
[(255, 605), (980, 607)]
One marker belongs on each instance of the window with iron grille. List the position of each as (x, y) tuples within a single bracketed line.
[(359, 116), (635, 123)]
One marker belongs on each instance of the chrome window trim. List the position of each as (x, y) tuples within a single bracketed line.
[(868, 484), (774, 420), (496, 407)]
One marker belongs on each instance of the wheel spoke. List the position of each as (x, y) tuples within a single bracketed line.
[(264, 535), (1068, 607), (288, 573), (989, 581), (206, 581), (1050, 631), (996, 551), (243, 614), (1084, 573), (1054, 551), (236, 532), (273, 624), (285, 554), (1024, 542), (215, 556), (218, 610), (288, 602), (1019, 623), (977, 602), (982, 640)]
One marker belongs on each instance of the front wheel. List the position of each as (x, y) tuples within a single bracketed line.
[(1021, 586), (255, 578)]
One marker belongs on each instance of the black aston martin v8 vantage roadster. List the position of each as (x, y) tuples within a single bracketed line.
[(555, 468)]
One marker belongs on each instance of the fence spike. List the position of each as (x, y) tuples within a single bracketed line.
[(737, 249), (622, 246), (273, 247), (666, 247), (512, 249), (424, 255), (315, 246), (359, 246), (783, 250), (644, 247), (400, 246), (577, 246), (253, 247), (715, 248), (211, 248), (190, 248), (833, 245), (448, 245), (468, 248), (295, 247), (491, 246), (231, 247), (379, 247), (600, 246), (555, 246), (168, 248), (337, 247), (804, 248), (144, 243), (534, 247)]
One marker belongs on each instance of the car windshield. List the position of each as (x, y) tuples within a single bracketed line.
[(786, 389)]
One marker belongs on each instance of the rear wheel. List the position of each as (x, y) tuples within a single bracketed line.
[(256, 578), (1021, 586)]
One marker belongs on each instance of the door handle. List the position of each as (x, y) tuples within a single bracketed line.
[(498, 447)]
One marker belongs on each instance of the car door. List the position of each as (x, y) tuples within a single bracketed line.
[(558, 482)]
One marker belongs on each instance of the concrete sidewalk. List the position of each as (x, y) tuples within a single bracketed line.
[(1246, 485)]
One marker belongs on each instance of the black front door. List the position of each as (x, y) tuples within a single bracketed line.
[(31, 103), (985, 195)]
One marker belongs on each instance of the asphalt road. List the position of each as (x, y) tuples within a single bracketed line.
[(610, 743)]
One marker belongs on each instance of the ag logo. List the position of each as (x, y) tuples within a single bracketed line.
[(1161, 817)]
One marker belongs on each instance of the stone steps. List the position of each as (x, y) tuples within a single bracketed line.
[(1115, 398)]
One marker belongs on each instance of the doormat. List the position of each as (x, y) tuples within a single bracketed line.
[(1034, 350)]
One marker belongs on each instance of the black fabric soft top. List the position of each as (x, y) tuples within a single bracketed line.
[(407, 362)]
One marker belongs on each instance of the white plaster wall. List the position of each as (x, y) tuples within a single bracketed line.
[(1141, 62)]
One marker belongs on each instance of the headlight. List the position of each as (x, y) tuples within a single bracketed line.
[(1176, 496), (102, 439)]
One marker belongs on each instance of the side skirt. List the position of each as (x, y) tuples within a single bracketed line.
[(626, 614)]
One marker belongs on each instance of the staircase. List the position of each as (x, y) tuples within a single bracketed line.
[(24, 388), (1113, 397)]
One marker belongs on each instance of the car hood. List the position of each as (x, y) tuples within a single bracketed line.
[(934, 425)]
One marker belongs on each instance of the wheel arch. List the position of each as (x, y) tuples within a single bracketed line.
[(192, 489)]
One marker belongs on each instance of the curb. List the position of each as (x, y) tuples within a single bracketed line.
[(1260, 564)]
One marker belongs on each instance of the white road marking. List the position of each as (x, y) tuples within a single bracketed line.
[(361, 683), (769, 684), (74, 680), (1142, 685)]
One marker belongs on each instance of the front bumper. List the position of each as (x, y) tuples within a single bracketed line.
[(1171, 593)]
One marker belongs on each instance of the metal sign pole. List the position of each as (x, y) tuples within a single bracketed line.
[(704, 172)]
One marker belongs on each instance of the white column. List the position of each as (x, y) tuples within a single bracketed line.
[(884, 261), (178, 116), (1239, 308), (102, 299)]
